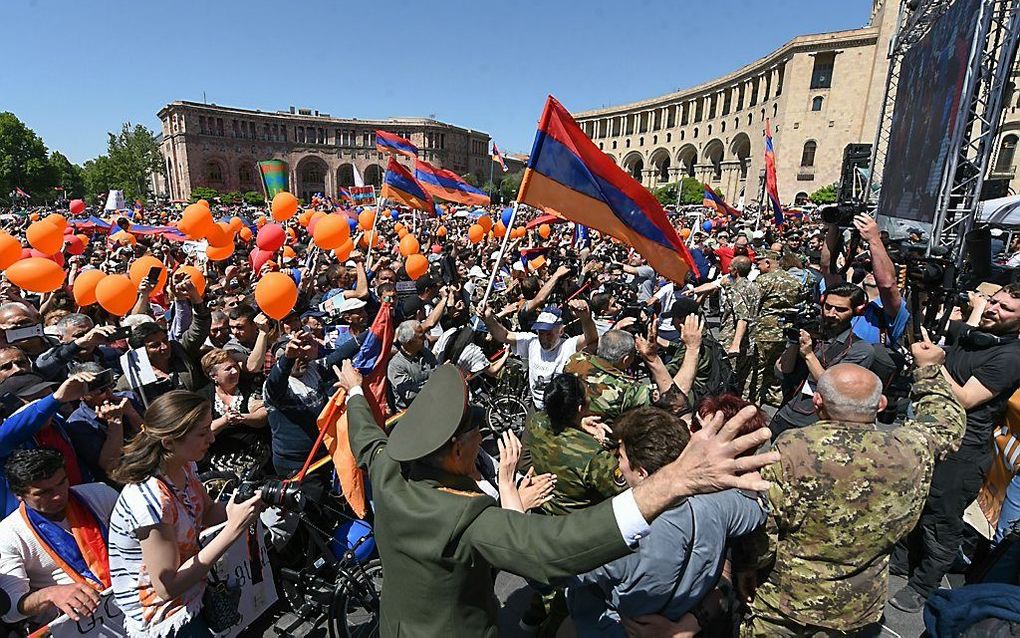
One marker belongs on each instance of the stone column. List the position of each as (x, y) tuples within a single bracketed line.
[(730, 180)]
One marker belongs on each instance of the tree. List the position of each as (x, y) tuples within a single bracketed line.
[(99, 176), (231, 199), (510, 185), (824, 195), (254, 199), (470, 179), (24, 162), (202, 192), (68, 175), (666, 194), (134, 154), (691, 192)]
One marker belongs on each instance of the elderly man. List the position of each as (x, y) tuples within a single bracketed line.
[(80, 341), (843, 493), (15, 318), (56, 528), (440, 538), (410, 367)]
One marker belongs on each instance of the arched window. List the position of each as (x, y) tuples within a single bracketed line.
[(695, 132), (709, 129), (244, 174), (641, 141), (214, 172), (614, 145), (1007, 150), (682, 136), (816, 103), (669, 137), (807, 158), (627, 143)]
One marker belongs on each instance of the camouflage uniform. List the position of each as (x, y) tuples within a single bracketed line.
[(779, 291), (611, 391), (841, 497), (739, 300), (586, 473)]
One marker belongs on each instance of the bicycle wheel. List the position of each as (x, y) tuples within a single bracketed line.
[(354, 612), (506, 413)]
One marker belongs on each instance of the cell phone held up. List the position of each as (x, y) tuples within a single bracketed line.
[(102, 381), (153, 277)]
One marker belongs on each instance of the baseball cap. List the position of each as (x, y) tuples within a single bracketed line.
[(25, 386), (549, 318), (767, 254)]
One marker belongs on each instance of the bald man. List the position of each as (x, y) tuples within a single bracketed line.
[(842, 494)]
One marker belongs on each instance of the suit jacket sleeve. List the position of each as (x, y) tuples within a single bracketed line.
[(366, 437), (544, 548)]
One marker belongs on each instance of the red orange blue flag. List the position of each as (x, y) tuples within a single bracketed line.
[(569, 174), (771, 189), (400, 186), (714, 201), (496, 155), (447, 185), (389, 143)]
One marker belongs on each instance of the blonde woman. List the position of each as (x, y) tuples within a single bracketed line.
[(157, 567)]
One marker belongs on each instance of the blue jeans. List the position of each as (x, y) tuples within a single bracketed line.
[(1010, 509), (1007, 567)]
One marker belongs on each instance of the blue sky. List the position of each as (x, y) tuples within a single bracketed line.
[(76, 69)]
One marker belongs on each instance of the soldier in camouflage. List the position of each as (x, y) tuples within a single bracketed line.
[(780, 291), (841, 496)]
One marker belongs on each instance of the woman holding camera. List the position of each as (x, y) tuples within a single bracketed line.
[(157, 566)]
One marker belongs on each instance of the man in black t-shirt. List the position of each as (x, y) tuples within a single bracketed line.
[(982, 366)]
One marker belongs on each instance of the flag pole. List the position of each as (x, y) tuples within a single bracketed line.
[(375, 222), (499, 258)]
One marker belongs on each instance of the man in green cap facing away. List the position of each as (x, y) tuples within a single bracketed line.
[(440, 537)]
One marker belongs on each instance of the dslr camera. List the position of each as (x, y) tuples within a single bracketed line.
[(842, 214), (275, 493), (804, 316)]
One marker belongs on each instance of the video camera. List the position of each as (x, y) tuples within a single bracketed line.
[(936, 272), (842, 213), (804, 316)]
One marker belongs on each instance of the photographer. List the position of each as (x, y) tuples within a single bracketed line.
[(157, 566), (80, 341), (885, 316), (806, 358), (981, 367)]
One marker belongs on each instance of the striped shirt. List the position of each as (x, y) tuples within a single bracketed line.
[(143, 505)]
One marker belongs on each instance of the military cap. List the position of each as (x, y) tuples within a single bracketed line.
[(767, 254), (433, 418)]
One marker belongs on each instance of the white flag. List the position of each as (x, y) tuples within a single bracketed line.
[(359, 181)]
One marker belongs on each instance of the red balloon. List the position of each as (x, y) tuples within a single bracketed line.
[(259, 258), (77, 207), (270, 237), (73, 245), (57, 258)]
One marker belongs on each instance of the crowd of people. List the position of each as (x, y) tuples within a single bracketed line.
[(751, 451)]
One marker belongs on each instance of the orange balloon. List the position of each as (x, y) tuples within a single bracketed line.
[(345, 250), (116, 294), (291, 235), (544, 231), (441, 231), (36, 274), (331, 232), (84, 288), (499, 229), (10, 250), (485, 222), (244, 234), (409, 245), (57, 220), (84, 238), (34, 217), (369, 237), (196, 222), (685, 232), (304, 218), (398, 227), (284, 206), (276, 294), (366, 219), (288, 253), (416, 265), (402, 233), (220, 235), (219, 253), (475, 233), (45, 237), (236, 224), (260, 221), (124, 238), (196, 276), (204, 204), (140, 268)]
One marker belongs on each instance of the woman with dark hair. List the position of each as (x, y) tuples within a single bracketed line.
[(565, 441), (156, 564)]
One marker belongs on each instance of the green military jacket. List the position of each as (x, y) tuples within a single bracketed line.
[(586, 473), (842, 495), (439, 538), (611, 391), (779, 291), (739, 300)]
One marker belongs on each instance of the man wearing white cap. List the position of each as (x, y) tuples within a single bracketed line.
[(544, 348)]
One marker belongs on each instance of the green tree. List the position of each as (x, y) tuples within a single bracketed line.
[(824, 195), (691, 192), (134, 154), (68, 175), (99, 176), (510, 185), (202, 192), (470, 179), (231, 199), (666, 194), (254, 199), (23, 160)]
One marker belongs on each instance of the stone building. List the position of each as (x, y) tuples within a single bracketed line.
[(218, 147), (821, 92)]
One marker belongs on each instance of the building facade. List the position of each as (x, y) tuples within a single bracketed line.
[(821, 92), (218, 147)]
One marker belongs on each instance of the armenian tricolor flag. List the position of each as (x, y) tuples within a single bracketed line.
[(390, 143), (274, 176), (714, 201), (569, 174), (770, 176), (447, 185), (496, 155), (399, 185)]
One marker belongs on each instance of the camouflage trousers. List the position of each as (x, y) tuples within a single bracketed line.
[(762, 385), (760, 626)]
